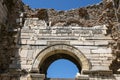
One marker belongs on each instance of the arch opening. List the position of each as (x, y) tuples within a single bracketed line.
[(50, 59), (59, 51), (62, 68)]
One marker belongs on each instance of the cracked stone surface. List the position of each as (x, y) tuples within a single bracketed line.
[(24, 33)]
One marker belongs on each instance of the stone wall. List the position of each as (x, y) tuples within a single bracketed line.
[(93, 42), (93, 30), (60, 27), (3, 19), (116, 49), (9, 77), (9, 12), (3, 12), (86, 16)]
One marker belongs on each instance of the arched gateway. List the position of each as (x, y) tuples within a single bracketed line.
[(87, 47), (58, 51)]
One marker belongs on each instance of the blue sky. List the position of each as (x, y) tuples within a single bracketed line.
[(60, 4), (61, 68)]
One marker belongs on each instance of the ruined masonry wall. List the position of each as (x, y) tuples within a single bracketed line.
[(3, 12), (8, 37), (93, 30), (91, 41)]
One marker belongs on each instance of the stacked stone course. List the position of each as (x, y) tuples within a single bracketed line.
[(91, 33)]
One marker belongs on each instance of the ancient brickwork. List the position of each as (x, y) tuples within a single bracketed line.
[(116, 48), (3, 17), (36, 36), (32, 39), (9, 12), (114, 29), (3, 12)]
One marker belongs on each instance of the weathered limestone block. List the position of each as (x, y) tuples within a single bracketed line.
[(23, 41), (23, 53), (85, 51), (25, 37), (102, 50), (91, 47), (100, 67), (24, 34), (106, 63), (88, 43), (94, 55), (30, 42), (76, 42), (102, 42), (24, 77), (26, 67), (37, 51), (117, 76), (30, 54), (106, 55), (82, 77), (41, 42), (33, 23), (96, 62), (23, 61)]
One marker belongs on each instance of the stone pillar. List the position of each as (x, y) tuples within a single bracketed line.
[(36, 76)]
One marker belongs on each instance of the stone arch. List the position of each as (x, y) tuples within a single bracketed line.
[(43, 59)]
